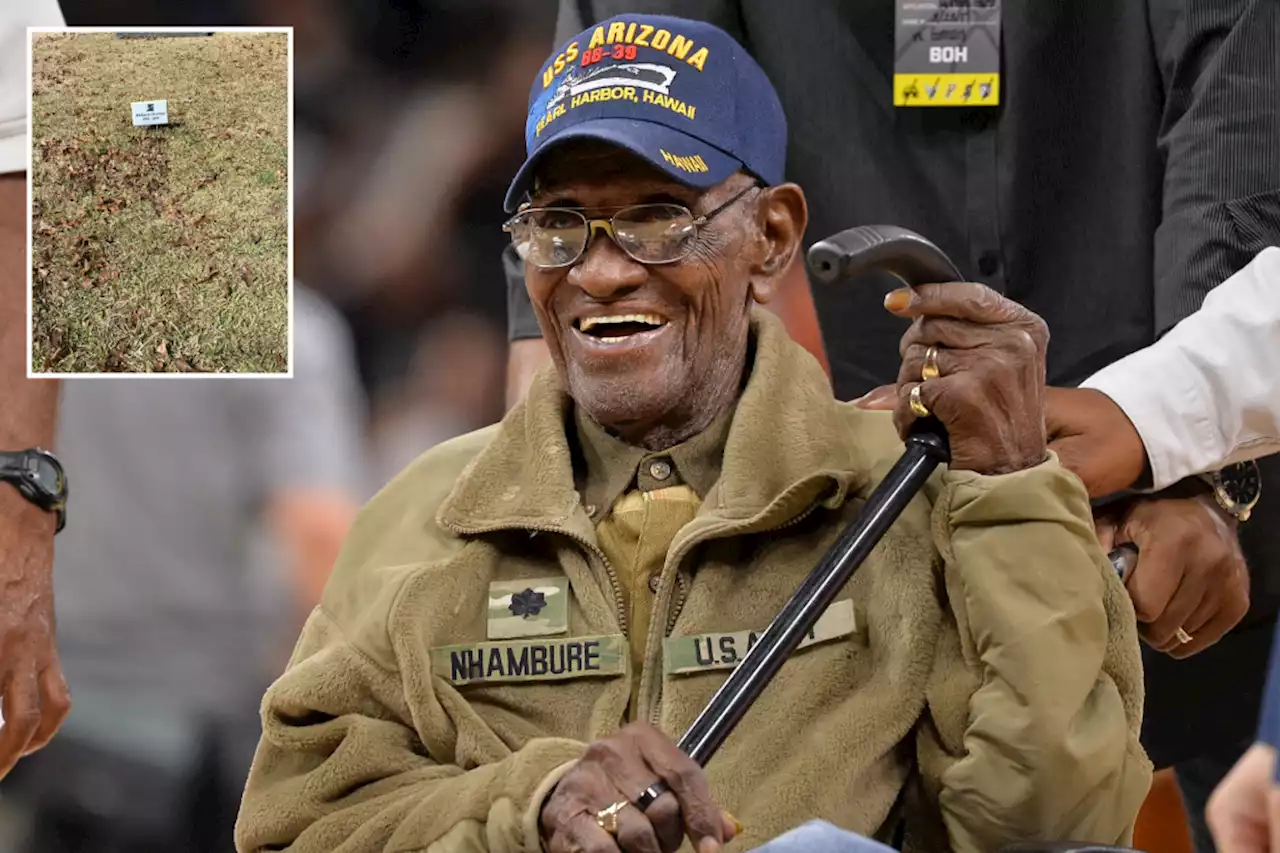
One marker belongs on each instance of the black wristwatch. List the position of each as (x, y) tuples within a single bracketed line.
[(38, 476), (1237, 488)]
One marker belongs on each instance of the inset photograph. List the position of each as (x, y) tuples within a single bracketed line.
[(160, 208)]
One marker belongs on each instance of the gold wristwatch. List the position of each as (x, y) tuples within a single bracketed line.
[(1237, 488)]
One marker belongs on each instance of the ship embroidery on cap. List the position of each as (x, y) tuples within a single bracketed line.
[(642, 75)]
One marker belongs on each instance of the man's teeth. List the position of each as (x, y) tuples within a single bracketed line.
[(586, 324)]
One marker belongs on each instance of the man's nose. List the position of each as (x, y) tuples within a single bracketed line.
[(605, 271)]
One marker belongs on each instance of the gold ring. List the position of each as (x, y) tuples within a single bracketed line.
[(1183, 636), (607, 818), (930, 369), (917, 406)]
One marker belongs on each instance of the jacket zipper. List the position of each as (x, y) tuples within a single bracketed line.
[(618, 609), (656, 711)]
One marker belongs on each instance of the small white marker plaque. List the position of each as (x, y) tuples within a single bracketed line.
[(150, 112)]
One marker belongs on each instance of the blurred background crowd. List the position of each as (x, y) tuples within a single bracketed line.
[(220, 505)]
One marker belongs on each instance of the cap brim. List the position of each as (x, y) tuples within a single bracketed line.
[(645, 139)]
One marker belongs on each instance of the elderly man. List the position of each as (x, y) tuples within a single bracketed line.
[(521, 623)]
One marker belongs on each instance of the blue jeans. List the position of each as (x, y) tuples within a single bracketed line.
[(818, 836)]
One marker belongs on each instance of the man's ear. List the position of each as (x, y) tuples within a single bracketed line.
[(782, 214)]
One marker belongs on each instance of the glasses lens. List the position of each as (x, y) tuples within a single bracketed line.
[(550, 237), (655, 233)]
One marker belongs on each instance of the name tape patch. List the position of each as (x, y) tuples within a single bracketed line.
[(702, 652), (531, 660)]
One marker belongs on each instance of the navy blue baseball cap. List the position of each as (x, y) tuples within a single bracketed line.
[(681, 94)]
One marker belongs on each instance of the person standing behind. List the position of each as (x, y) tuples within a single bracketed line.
[(1203, 397), (33, 695)]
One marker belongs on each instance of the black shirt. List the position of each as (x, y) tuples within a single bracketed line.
[(1133, 165)]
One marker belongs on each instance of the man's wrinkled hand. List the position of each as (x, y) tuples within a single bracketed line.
[(1094, 439), (1190, 574), (35, 698), (619, 768), (991, 360)]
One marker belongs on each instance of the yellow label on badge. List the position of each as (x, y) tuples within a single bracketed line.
[(946, 90), (531, 660), (702, 652)]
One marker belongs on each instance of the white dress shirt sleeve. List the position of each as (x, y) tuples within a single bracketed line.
[(1207, 394), (15, 17)]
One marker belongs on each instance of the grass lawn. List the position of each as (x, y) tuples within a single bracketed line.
[(160, 248)]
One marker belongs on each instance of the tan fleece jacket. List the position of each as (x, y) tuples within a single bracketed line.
[(978, 680)]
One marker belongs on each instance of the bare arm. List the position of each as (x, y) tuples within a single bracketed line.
[(310, 525), (30, 408), (34, 694), (309, 434)]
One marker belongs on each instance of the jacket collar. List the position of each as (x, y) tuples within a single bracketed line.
[(787, 447), (611, 467)]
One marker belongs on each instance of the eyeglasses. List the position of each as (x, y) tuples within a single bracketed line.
[(553, 237)]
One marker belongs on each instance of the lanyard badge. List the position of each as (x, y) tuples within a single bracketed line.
[(947, 53)]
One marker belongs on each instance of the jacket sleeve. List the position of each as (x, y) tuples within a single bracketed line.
[(1207, 394), (1219, 141), (342, 768), (1035, 702)]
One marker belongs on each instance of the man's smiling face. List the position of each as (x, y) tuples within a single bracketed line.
[(653, 352)]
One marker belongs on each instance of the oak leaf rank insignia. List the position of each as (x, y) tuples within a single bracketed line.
[(527, 603), (528, 607)]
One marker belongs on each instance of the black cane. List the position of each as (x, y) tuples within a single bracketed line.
[(914, 260)]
